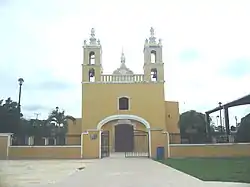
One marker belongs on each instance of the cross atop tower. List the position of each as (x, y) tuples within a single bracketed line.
[(92, 40), (123, 59), (152, 36)]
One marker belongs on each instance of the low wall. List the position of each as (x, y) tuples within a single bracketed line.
[(44, 152), (209, 150)]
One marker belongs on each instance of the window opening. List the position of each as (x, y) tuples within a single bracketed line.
[(123, 103), (153, 56), (92, 58)]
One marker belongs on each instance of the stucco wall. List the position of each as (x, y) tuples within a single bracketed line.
[(101, 100), (210, 150), (44, 152), (91, 141), (75, 128), (172, 116), (74, 132), (3, 147), (73, 139)]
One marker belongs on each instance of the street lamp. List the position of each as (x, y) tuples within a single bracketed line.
[(220, 116), (217, 117), (236, 121), (21, 81)]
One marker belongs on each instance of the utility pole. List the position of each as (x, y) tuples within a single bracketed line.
[(37, 114)]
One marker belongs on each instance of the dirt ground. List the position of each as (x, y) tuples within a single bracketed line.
[(20, 173)]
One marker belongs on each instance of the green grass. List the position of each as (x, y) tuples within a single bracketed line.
[(214, 169)]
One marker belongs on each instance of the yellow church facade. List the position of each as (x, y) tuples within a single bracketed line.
[(122, 111)]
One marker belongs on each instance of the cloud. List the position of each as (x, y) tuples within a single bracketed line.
[(50, 85), (34, 108), (237, 68), (202, 44), (189, 55)]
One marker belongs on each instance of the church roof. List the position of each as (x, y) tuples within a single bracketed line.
[(123, 69)]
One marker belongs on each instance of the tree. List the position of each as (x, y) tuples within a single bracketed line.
[(58, 123), (9, 116), (192, 126), (243, 132)]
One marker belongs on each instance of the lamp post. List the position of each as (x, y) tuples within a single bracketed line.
[(217, 118), (220, 116), (236, 121), (21, 81)]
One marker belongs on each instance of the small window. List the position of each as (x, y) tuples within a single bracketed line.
[(154, 74), (123, 103), (92, 58), (91, 75), (153, 56)]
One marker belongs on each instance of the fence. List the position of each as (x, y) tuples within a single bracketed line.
[(177, 138), (46, 141)]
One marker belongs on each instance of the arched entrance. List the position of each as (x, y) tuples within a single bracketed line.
[(124, 138), (126, 132)]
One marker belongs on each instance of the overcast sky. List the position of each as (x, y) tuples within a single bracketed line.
[(206, 46)]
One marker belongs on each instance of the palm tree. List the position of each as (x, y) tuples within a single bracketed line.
[(58, 123)]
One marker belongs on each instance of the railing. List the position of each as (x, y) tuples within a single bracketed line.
[(122, 78)]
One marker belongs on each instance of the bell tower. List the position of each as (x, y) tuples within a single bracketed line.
[(153, 65), (92, 65)]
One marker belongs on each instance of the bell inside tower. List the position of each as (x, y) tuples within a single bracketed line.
[(91, 75), (153, 74)]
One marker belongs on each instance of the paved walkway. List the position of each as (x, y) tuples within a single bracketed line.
[(132, 172)]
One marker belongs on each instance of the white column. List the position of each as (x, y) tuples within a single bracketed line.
[(31, 140), (46, 141)]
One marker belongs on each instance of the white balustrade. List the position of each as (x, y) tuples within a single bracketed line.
[(122, 78)]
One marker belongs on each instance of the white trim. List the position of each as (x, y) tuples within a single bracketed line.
[(169, 154), (43, 146), (129, 103), (123, 116), (100, 142), (8, 146), (81, 145), (126, 116), (6, 134), (113, 82), (215, 144)]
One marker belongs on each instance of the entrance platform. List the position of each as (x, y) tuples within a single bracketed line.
[(132, 172)]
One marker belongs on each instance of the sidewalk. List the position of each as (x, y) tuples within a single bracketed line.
[(129, 172)]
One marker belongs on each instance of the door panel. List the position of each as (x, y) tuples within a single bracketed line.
[(124, 139)]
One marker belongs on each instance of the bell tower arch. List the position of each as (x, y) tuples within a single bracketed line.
[(153, 64), (92, 64)]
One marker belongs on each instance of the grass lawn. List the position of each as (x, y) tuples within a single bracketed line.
[(214, 169)]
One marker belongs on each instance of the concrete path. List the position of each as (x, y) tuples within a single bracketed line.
[(132, 172)]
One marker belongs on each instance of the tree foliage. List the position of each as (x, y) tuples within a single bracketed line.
[(10, 122), (192, 126), (9, 116), (58, 122), (243, 132)]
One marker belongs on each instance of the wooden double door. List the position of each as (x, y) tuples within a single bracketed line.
[(124, 138)]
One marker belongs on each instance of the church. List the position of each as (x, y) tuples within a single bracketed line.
[(122, 111)]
